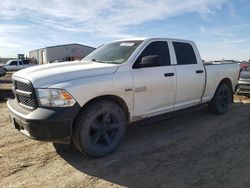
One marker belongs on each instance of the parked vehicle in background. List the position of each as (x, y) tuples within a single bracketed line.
[(243, 86), (2, 71), (16, 64), (243, 66), (90, 102)]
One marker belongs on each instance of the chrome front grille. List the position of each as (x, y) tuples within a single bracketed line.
[(22, 86), (25, 93)]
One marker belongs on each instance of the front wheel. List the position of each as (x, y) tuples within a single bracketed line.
[(222, 99), (99, 128)]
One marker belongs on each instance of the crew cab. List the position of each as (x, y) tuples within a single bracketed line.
[(90, 102), (16, 64)]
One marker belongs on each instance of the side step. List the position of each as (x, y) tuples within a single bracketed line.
[(170, 115)]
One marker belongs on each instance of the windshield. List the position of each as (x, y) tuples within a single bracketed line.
[(114, 53), (8, 62)]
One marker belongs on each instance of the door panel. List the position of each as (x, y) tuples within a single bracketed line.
[(154, 83), (190, 76), (153, 91), (190, 85), (13, 66), (20, 65)]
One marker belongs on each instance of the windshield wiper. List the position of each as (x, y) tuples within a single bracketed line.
[(106, 62), (97, 61), (112, 62)]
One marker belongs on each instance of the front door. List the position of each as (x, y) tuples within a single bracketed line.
[(155, 84), (13, 66)]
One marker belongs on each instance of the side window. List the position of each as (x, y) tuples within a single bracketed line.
[(25, 62), (184, 53), (159, 48), (20, 63), (13, 63)]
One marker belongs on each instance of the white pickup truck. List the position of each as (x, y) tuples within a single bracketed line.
[(16, 64), (91, 101)]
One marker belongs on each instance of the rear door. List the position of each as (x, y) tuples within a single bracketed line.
[(20, 65), (26, 63), (154, 86), (190, 75)]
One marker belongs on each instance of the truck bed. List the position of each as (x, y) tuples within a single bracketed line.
[(215, 72)]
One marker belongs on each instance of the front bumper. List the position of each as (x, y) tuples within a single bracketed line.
[(44, 124), (243, 87)]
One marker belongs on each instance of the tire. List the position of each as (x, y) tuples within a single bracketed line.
[(222, 99), (99, 128)]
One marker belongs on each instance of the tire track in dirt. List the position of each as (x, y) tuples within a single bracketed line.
[(193, 150)]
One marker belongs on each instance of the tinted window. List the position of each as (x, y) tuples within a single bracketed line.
[(13, 63), (184, 53), (26, 62), (155, 48), (20, 63)]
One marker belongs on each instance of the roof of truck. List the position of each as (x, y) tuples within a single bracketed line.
[(152, 38)]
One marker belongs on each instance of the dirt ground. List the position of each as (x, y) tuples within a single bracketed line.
[(196, 149)]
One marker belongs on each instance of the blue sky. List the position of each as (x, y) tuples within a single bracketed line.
[(220, 28)]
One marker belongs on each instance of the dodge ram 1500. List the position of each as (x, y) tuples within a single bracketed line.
[(90, 102)]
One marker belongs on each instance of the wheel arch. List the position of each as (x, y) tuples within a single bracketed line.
[(80, 142), (114, 98), (225, 81)]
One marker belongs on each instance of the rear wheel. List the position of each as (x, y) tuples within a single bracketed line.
[(222, 99), (99, 128)]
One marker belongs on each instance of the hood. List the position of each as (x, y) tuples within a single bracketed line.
[(245, 75), (49, 74)]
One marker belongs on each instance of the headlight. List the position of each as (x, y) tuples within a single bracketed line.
[(54, 98)]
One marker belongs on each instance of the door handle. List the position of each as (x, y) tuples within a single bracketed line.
[(169, 74), (199, 71)]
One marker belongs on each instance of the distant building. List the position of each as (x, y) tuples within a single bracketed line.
[(67, 52), (3, 60)]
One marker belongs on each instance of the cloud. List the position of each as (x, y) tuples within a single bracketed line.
[(225, 43), (54, 20), (103, 16), (241, 25), (224, 51), (225, 48), (12, 28), (232, 10), (216, 32)]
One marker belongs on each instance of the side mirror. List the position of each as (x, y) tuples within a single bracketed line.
[(151, 61)]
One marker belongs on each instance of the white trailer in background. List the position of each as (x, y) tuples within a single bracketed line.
[(67, 52)]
